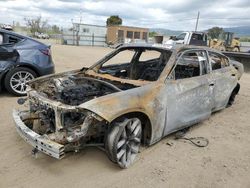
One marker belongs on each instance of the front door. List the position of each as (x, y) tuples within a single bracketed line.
[(189, 91)]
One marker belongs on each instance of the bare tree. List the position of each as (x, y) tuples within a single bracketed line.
[(36, 24)]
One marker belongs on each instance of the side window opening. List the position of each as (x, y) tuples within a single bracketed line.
[(198, 39), (181, 36), (217, 61), (13, 39), (191, 64)]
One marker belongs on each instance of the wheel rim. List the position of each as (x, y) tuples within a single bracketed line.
[(129, 142), (18, 81)]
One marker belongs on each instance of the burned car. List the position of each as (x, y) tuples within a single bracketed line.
[(135, 95)]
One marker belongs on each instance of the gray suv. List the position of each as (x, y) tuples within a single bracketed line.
[(22, 59)]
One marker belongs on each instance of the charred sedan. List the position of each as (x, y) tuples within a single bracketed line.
[(135, 95), (21, 60)]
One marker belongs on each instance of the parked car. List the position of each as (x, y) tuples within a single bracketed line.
[(22, 59), (135, 95), (41, 35)]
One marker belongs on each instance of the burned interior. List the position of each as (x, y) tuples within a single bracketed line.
[(139, 63)]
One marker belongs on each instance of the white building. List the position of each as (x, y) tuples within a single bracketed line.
[(85, 34)]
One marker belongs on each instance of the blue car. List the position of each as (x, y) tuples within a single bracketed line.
[(22, 59)]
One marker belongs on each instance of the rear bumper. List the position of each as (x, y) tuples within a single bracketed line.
[(37, 141), (47, 70)]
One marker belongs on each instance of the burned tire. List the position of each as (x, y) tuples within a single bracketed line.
[(16, 79), (123, 141)]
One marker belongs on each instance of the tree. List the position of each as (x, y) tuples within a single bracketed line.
[(215, 32), (55, 29), (152, 34), (114, 20), (36, 24)]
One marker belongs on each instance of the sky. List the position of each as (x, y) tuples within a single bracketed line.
[(172, 14)]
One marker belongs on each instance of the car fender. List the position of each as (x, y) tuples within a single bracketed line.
[(145, 99), (114, 105)]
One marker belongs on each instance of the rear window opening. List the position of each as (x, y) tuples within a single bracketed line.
[(135, 64)]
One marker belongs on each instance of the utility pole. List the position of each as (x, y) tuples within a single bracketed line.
[(73, 30), (197, 21), (80, 16)]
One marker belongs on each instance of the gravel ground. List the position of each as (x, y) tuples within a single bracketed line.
[(225, 162)]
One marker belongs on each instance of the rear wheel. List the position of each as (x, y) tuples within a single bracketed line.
[(233, 95), (16, 79), (123, 141)]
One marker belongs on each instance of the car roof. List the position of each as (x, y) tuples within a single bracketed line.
[(21, 36), (177, 48)]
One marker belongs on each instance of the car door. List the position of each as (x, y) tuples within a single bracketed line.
[(189, 91), (180, 39), (225, 77)]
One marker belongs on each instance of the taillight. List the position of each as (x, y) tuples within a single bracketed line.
[(45, 51)]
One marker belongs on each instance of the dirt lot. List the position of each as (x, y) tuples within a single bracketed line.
[(224, 163)]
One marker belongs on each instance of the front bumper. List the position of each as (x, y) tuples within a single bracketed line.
[(39, 142)]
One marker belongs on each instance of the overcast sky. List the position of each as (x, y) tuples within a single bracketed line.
[(174, 14)]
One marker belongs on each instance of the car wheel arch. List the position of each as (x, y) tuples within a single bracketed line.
[(233, 94), (18, 65), (29, 66), (146, 124)]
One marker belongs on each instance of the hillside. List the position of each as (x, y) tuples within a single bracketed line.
[(241, 31)]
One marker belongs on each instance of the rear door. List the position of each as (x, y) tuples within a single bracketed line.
[(225, 79), (189, 91)]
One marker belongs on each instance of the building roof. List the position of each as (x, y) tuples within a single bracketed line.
[(90, 25), (124, 26)]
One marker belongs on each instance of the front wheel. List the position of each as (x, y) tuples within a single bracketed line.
[(123, 141), (16, 79)]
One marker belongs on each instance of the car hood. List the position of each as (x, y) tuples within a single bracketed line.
[(75, 87)]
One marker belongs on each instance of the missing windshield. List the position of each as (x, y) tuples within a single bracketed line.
[(135, 64)]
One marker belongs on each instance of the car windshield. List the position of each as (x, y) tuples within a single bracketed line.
[(134, 63)]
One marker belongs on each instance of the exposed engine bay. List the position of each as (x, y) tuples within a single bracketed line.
[(77, 89), (59, 118)]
